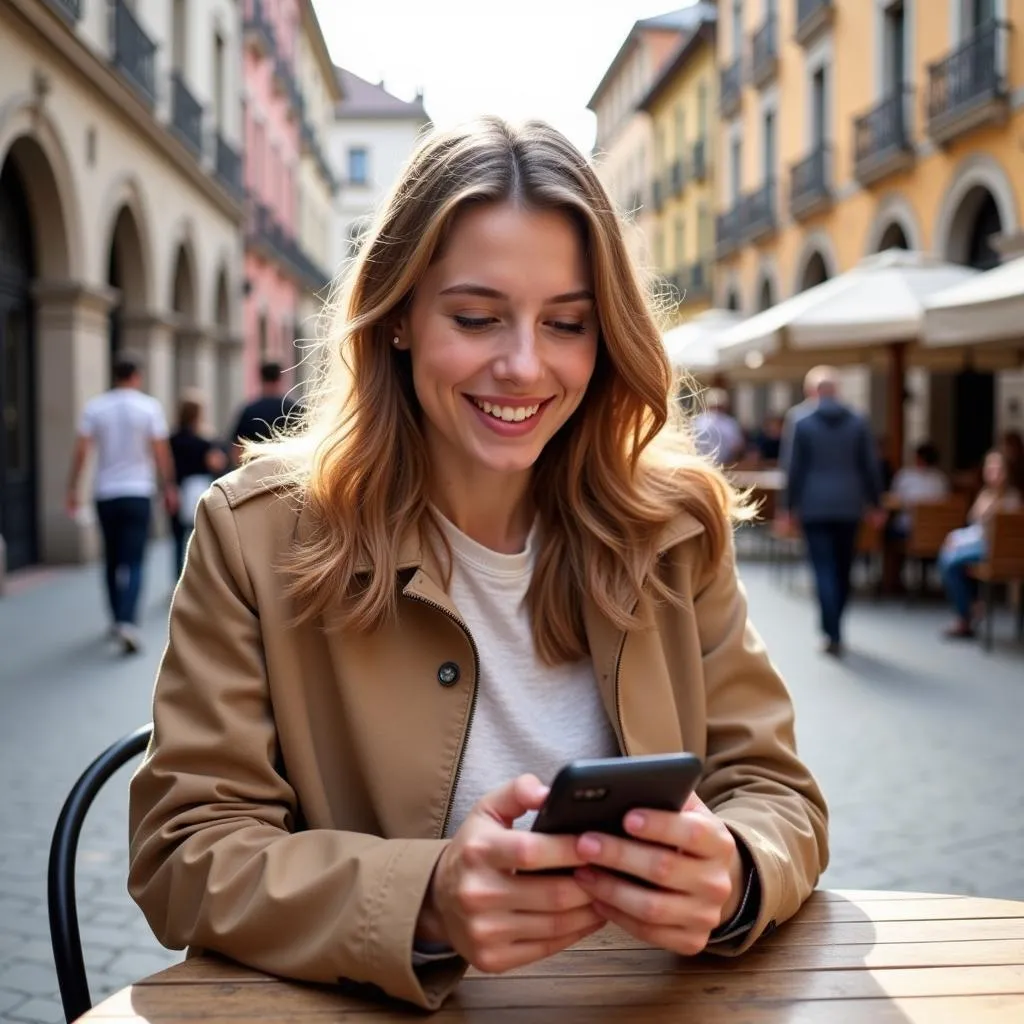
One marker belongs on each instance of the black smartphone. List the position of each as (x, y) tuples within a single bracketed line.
[(596, 795)]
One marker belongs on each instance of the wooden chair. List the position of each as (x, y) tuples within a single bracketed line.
[(930, 523), (1004, 564)]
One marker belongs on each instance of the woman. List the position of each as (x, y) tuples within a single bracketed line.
[(968, 546), (196, 460), (489, 553)]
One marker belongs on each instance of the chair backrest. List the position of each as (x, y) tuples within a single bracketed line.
[(1006, 545), (60, 879), (869, 538), (931, 522)]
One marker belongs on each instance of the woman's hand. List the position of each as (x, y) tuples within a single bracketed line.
[(483, 905), (691, 858)]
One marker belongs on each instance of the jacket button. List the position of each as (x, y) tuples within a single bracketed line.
[(448, 674)]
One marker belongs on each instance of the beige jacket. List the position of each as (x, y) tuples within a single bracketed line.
[(290, 810)]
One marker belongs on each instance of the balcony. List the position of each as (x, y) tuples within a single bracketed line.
[(881, 139), (699, 160), (677, 180), (186, 114), (228, 167), (968, 89), (730, 88), (267, 236), (764, 53), (69, 10), (729, 229), (812, 18), (134, 52), (810, 183), (698, 280), (759, 212), (657, 195), (259, 33)]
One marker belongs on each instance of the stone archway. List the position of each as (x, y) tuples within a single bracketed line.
[(732, 301), (126, 273), (815, 272), (895, 226), (765, 295), (893, 237), (184, 307), (979, 202), (975, 224)]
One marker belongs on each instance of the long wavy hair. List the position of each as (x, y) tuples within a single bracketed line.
[(604, 487)]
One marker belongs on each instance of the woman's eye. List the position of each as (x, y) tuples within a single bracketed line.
[(471, 322), (569, 328)]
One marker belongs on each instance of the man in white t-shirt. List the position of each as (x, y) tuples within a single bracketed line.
[(127, 430)]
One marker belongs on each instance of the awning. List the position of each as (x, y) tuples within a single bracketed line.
[(878, 301), (990, 307), (693, 345)]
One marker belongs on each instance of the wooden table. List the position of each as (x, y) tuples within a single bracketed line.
[(847, 958)]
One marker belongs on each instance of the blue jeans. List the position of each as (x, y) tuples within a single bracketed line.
[(125, 526), (953, 564), (831, 548)]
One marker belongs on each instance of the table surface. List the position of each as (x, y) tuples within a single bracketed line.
[(759, 479), (848, 957)]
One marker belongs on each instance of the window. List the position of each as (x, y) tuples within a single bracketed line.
[(358, 170), (680, 242), (702, 110), (218, 82), (737, 29), (769, 145), (895, 49), (736, 169), (703, 230), (680, 128), (818, 109), (179, 36)]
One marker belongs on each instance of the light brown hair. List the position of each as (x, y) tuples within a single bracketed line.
[(604, 486)]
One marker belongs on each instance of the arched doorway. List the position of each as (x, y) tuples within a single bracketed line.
[(183, 302), (765, 296), (975, 223), (893, 237), (126, 274), (815, 272), (18, 519)]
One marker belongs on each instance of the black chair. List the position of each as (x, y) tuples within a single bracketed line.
[(60, 880)]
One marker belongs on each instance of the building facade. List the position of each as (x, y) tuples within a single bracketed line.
[(120, 216), (373, 135), (852, 126), (682, 106), (624, 143)]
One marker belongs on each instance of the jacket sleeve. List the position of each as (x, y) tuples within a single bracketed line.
[(216, 859), (753, 780)]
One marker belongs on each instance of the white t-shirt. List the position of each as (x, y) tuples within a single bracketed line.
[(123, 423), (915, 484), (529, 717)]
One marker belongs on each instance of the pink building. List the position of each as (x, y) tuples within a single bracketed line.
[(275, 273)]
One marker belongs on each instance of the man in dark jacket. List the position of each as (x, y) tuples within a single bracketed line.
[(834, 480)]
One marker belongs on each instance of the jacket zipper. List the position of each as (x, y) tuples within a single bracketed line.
[(617, 690), (472, 706)]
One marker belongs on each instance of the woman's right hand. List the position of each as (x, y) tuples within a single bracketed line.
[(483, 902)]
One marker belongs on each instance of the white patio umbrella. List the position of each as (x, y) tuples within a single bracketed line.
[(989, 307), (879, 301), (693, 345)]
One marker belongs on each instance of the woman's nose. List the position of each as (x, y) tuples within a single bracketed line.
[(521, 360)]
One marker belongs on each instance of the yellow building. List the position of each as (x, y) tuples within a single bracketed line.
[(624, 145), (851, 126), (682, 105)]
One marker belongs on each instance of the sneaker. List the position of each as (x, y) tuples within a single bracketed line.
[(131, 643)]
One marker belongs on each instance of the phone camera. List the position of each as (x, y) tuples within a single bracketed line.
[(591, 794)]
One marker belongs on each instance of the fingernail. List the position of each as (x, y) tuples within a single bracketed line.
[(635, 821), (586, 875), (589, 845)]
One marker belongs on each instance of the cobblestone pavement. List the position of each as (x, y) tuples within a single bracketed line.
[(916, 743)]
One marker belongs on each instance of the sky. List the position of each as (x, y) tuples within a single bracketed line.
[(515, 58)]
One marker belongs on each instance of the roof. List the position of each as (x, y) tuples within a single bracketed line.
[(684, 19), (364, 100), (704, 33)]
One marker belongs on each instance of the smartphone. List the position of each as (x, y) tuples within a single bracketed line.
[(596, 795)]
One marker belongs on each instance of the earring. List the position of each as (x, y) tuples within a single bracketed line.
[(396, 341)]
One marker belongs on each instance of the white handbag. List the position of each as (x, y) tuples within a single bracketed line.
[(191, 490)]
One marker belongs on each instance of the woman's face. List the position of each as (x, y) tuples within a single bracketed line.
[(502, 332), (994, 470)]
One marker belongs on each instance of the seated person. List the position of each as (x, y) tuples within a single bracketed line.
[(489, 550), (768, 441), (921, 481), (969, 546)]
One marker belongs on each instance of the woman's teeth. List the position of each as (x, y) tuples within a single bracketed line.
[(508, 413)]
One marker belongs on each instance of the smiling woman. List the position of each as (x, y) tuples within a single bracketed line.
[(490, 551)]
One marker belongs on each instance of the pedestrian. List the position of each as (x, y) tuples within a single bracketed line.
[(834, 479), (127, 431), (197, 460), (494, 552), (796, 413), (716, 433), (273, 411), (968, 546)]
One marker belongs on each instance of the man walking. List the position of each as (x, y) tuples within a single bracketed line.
[(128, 431), (834, 477), (268, 413)]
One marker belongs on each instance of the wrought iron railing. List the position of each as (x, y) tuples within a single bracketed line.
[(809, 11), (811, 178), (969, 74), (730, 85), (71, 10), (256, 23), (699, 160), (764, 49), (759, 209), (677, 178), (265, 230), (882, 129), (186, 113), (699, 277), (134, 51), (729, 227), (228, 165)]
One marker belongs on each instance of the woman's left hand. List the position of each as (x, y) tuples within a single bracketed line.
[(692, 860)]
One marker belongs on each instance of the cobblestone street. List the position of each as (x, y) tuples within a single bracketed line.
[(916, 743)]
